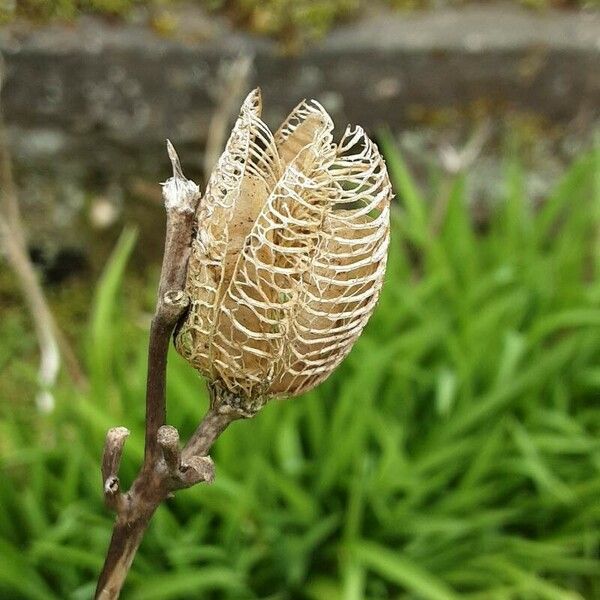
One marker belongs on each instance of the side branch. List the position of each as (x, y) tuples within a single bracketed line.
[(181, 200), (212, 426), (173, 471)]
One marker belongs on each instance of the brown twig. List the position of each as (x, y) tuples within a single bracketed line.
[(166, 468), (232, 81), (213, 424), (12, 234)]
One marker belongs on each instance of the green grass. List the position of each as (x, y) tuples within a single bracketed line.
[(454, 454)]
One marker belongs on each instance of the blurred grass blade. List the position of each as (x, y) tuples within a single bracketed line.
[(101, 339), (399, 569), (405, 186), (19, 577), (187, 584)]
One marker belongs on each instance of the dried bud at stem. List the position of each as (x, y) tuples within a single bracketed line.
[(179, 193), (197, 469), (168, 440), (111, 461), (177, 298)]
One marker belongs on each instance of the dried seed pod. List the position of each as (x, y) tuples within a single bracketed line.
[(289, 256)]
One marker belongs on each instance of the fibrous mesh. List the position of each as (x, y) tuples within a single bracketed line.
[(289, 255)]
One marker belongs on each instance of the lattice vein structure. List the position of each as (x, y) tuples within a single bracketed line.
[(289, 256)]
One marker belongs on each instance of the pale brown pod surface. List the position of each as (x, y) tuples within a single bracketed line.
[(289, 255)]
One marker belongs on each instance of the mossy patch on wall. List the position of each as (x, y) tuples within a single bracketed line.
[(292, 22)]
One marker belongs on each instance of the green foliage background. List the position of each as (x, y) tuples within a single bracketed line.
[(454, 454)]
